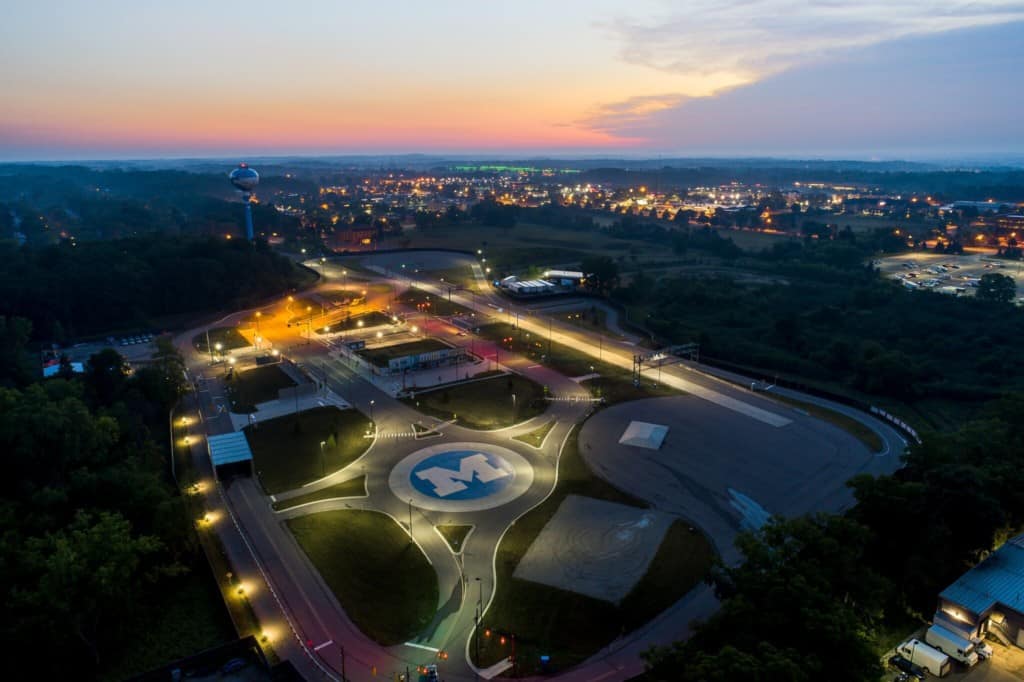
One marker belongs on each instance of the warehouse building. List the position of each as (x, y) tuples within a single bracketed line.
[(989, 598)]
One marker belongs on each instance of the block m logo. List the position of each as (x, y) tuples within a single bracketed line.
[(448, 481)]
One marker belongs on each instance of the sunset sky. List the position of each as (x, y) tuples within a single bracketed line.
[(112, 79)]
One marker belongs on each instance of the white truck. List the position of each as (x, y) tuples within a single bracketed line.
[(931, 661), (952, 644), (983, 648)]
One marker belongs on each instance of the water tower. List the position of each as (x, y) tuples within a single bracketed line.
[(246, 179)]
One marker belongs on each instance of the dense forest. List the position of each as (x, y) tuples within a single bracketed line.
[(828, 316), (819, 597), (98, 556), (68, 291), (817, 313)]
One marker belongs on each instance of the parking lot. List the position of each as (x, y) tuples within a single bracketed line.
[(940, 272), (1006, 665)]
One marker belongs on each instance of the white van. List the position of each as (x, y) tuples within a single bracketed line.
[(952, 644), (933, 662)]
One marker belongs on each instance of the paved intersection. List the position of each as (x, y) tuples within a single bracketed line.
[(302, 611)]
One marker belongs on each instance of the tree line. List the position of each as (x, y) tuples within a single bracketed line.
[(816, 596), (95, 540), (68, 290)]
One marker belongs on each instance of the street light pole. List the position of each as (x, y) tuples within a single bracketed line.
[(323, 465), (479, 616), (410, 520)]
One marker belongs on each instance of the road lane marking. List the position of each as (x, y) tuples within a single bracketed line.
[(318, 647), (414, 645)]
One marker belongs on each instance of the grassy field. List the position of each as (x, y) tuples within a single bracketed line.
[(286, 451), (439, 305), (614, 385), (461, 276), (528, 244), (383, 581), (869, 438), (485, 404), (374, 318), (537, 436), (190, 618), (454, 535), (567, 626), (228, 337), (254, 386), (380, 356), (355, 487)]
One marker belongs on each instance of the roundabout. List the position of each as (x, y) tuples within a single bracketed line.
[(461, 477)]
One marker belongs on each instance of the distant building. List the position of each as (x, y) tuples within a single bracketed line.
[(551, 282), (989, 598), (532, 287), (53, 369), (979, 206), (565, 278)]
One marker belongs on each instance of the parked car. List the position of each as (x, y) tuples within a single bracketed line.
[(906, 666)]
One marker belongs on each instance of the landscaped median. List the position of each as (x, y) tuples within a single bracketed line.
[(229, 338), (491, 403), (537, 436), (382, 580), (381, 355), (613, 384), (355, 487), (455, 535), (287, 451), (566, 626), (258, 385)]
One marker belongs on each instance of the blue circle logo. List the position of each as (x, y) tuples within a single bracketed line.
[(462, 475)]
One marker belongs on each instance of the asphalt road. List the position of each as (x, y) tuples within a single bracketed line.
[(293, 595), (302, 615)]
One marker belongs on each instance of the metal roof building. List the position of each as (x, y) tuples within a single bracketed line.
[(989, 597), (229, 448)]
